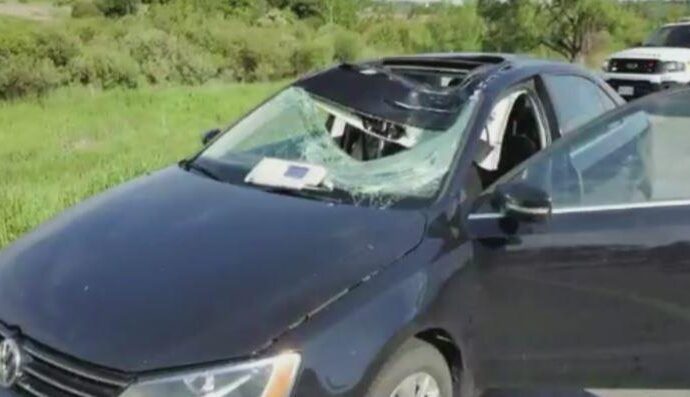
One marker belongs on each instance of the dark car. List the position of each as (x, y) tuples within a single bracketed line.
[(349, 238)]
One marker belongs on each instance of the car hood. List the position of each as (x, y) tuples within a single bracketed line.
[(174, 269), (658, 53)]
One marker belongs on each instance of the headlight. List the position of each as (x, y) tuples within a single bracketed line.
[(605, 66), (273, 377), (673, 66)]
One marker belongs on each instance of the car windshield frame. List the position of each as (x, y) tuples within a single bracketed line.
[(463, 117)]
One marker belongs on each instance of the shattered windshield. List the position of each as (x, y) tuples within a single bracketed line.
[(382, 155)]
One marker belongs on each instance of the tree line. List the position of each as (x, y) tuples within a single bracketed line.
[(128, 43)]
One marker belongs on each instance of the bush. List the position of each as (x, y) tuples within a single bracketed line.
[(192, 41), (193, 65), (416, 37), (85, 30), (347, 46), (24, 75), (311, 55), (262, 54), (276, 17), (384, 34), (457, 29), (51, 42), (118, 8), (55, 44), (631, 28), (105, 68), (85, 9), (15, 42), (166, 58)]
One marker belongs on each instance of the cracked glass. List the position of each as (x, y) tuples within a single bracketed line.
[(368, 157)]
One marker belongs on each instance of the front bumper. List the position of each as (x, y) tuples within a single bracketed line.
[(640, 88)]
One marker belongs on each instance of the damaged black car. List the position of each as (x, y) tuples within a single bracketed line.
[(325, 244)]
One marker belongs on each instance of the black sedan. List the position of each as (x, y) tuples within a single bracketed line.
[(402, 227)]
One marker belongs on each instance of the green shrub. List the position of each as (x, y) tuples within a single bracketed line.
[(166, 58), (311, 55), (23, 75), (194, 41), (632, 28), (39, 42), (15, 42), (384, 34), (193, 65), (105, 68), (221, 37), (457, 29), (276, 17), (415, 37), (347, 45), (86, 30), (57, 45), (150, 49), (118, 8), (247, 53), (85, 9)]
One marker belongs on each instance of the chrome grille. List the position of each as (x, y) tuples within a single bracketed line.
[(635, 66), (48, 374)]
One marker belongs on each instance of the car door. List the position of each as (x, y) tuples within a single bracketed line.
[(581, 262)]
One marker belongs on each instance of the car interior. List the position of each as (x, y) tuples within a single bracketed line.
[(519, 132), (375, 140), (517, 136), (367, 138), (514, 133)]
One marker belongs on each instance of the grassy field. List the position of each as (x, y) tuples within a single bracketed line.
[(77, 142)]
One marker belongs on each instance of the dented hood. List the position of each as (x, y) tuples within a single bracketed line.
[(173, 269)]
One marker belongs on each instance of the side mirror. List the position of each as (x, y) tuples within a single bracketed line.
[(522, 202), (208, 136)]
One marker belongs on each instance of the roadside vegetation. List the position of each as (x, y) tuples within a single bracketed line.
[(134, 43), (76, 142)]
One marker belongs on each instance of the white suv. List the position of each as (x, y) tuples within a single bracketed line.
[(662, 62)]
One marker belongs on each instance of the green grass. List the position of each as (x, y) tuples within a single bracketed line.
[(76, 142)]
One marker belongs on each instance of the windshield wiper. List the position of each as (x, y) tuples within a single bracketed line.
[(188, 165)]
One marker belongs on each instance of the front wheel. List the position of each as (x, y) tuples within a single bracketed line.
[(417, 369)]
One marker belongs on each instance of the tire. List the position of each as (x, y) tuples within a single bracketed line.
[(415, 357)]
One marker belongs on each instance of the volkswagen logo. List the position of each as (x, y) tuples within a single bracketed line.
[(10, 363)]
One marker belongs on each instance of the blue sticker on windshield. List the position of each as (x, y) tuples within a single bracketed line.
[(296, 172)]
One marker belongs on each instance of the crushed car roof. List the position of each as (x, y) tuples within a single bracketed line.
[(478, 63), (397, 91)]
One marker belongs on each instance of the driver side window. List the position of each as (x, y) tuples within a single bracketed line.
[(638, 157), (576, 100)]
